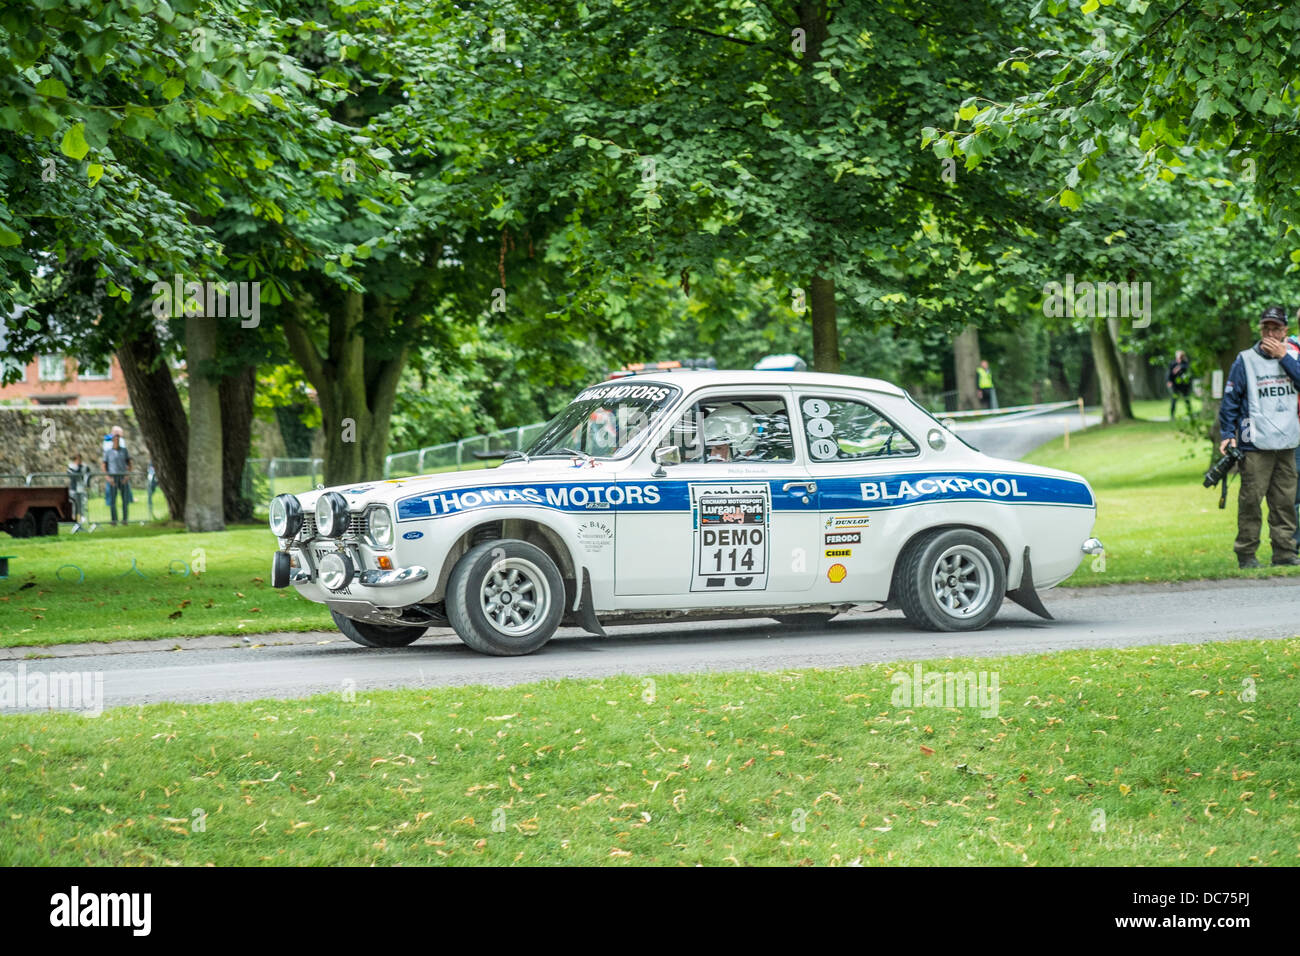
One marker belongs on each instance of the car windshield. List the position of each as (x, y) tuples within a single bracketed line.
[(605, 421)]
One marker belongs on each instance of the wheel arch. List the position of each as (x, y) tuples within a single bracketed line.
[(520, 529), (992, 535)]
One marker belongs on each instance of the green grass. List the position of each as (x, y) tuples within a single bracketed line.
[(42, 605), (795, 767), (1154, 517)]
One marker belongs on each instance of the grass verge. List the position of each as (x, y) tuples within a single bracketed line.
[(1164, 755), (1156, 520), (46, 601)]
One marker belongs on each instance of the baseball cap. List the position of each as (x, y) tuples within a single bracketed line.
[(1274, 313)]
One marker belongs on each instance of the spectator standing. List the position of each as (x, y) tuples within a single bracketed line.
[(78, 487), (984, 383), (1179, 383), (1259, 416), (117, 464)]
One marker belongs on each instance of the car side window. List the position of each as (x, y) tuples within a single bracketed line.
[(733, 428), (841, 429)]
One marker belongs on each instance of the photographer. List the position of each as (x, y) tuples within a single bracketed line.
[(1258, 416)]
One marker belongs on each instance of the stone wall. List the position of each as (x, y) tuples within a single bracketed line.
[(45, 439)]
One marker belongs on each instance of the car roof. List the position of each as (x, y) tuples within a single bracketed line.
[(691, 379)]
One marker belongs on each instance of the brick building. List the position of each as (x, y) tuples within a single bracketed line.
[(58, 380)]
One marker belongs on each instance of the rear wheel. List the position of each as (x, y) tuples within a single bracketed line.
[(505, 597), (26, 526), (368, 634), (950, 581), (49, 523)]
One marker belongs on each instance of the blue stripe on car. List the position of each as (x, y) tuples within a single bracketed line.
[(871, 493)]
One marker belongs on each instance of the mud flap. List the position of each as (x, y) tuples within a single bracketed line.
[(586, 615), (1025, 595)]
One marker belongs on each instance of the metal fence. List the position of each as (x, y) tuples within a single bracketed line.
[(264, 478), (459, 455)]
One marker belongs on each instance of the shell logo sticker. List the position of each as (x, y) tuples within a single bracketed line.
[(836, 573)]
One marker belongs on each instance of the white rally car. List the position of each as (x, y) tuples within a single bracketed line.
[(693, 494)]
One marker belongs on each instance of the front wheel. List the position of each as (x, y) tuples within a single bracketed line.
[(368, 634), (505, 597), (950, 581)]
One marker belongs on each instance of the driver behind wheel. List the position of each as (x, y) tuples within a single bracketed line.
[(728, 433)]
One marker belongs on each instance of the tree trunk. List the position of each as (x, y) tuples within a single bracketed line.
[(1115, 405), (236, 398), (965, 359), (203, 505), (826, 333), (157, 407), (356, 396)]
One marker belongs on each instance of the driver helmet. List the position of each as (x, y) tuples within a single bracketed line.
[(728, 426)]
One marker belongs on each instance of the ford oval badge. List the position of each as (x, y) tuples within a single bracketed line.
[(412, 535)]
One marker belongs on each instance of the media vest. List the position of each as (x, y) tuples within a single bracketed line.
[(1271, 422)]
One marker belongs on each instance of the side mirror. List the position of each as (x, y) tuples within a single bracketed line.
[(665, 455)]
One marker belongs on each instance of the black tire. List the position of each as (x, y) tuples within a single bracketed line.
[(936, 601), (517, 568), (25, 526), (810, 619), (49, 523), (377, 635)]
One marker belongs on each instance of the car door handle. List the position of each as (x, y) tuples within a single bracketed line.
[(809, 487)]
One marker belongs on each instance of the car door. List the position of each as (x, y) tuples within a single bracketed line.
[(849, 441), (734, 521)]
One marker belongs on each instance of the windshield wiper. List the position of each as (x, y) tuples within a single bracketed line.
[(516, 454), (580, 454)]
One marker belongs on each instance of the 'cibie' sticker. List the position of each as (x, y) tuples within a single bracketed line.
[(731, 536)]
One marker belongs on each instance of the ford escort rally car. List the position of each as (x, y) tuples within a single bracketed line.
[(693, 494)]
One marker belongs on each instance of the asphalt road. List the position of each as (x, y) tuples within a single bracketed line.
[(1017, 436), (1114, 616)]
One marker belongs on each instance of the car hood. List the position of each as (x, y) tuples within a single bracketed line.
[(388, 490)]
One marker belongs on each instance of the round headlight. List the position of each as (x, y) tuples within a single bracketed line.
[(331, 514), (286, 516), (336, 571), (380, 527)]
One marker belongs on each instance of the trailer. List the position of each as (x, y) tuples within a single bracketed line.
[(29, 511)]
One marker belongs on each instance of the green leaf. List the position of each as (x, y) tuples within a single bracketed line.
[(1070, 199), (74, 142), (95, 172), (10, 238), (173, 88), (1091, 6), (52, 87)]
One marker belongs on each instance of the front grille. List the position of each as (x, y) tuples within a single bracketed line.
[(356, 526)]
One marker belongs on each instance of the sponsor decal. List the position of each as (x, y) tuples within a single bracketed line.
[(595, 535), (730, 524), (657, 394), (836, 573), (413, 535), (561, 497), (844, 537), (920, 487), (839, 552), (847, 521), (358, 491), (916, 488)]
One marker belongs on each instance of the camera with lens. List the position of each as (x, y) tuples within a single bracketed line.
[(1219, 470)]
